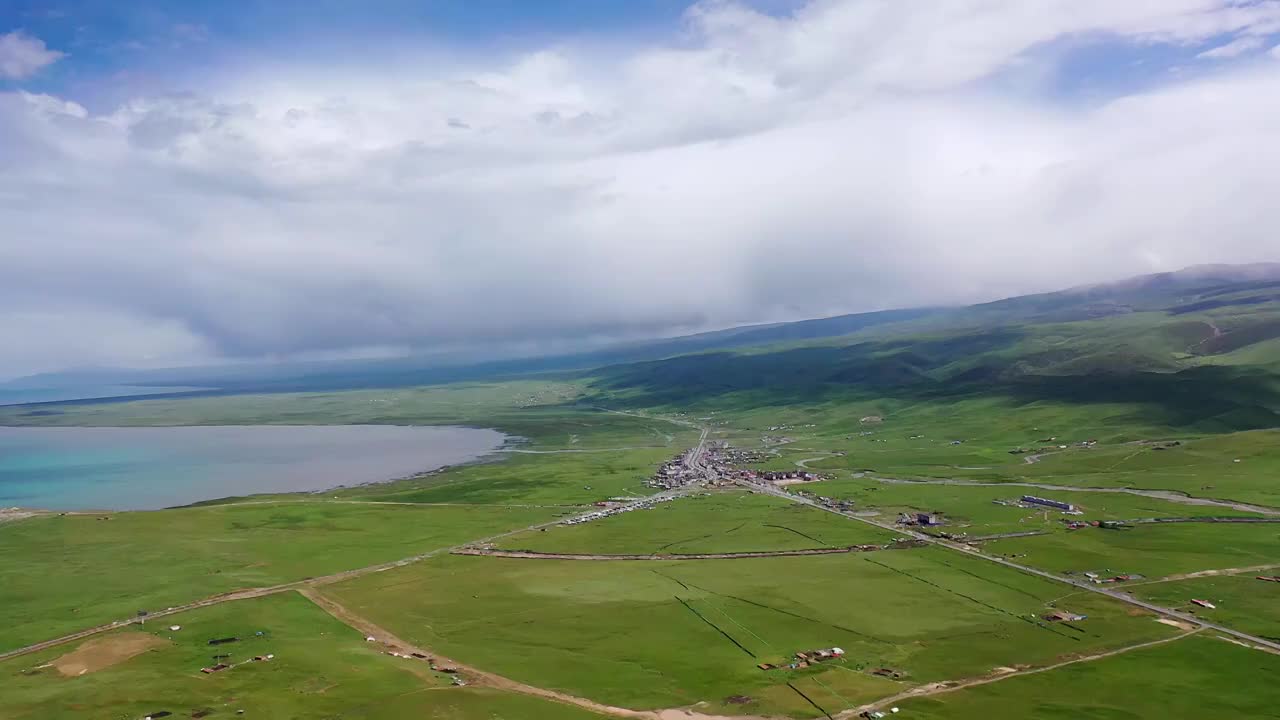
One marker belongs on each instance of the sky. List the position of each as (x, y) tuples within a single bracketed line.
[(207, 182)]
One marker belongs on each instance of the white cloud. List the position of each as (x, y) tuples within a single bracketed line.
[(119, 339), (1235, 48), (22, 55), (846, 158)]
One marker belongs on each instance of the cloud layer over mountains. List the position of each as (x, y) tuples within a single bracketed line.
[(854, 155)]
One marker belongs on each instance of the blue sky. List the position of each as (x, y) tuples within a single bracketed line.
[(115, 49), (163, 42), (197, 181)]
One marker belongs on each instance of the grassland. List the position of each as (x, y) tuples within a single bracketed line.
[(1151, 550), (733, 521), (321, 669), (59, 574), (1192, 678), (450, 404), (975, 510), (569, 478), (915, 442), (668, 634), (1242, 601), (938, 398)]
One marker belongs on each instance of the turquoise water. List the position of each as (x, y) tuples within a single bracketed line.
[(146, 468)]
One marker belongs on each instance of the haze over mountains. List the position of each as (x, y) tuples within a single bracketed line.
[(196, 184), (1170, 334)]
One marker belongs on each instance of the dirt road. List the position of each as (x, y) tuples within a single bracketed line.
[(476, 676), (1206, 573), (489, 679), (946, 687), (1170, 495), (250, 593), (529, 555)]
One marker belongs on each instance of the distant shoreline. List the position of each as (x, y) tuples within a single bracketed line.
[(138, 464)]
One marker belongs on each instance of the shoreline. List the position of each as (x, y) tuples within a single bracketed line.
[(500, 453)]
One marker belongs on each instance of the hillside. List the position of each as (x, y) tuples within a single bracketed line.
[(1197, 347), (1163, 322)]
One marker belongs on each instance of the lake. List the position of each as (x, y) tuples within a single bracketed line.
[(146, 468)]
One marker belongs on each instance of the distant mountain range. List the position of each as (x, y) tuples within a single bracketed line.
[(1239, 290)]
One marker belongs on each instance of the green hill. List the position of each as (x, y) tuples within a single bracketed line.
[(1196, 348)]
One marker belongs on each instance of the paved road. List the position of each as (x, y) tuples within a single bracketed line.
[(1083, 585), (694, 460)]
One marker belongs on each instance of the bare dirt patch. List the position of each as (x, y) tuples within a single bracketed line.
[(103, 652), (1180, 624), (15, 513)]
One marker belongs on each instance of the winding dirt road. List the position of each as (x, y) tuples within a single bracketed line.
[(477, 676), (250, 593)]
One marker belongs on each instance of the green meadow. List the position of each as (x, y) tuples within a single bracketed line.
[(732, 521), (976, 510), (1241, 601), (1189, 679), (1152, 550), (655, 634), (321, 668), (568, 478), (59, 574)]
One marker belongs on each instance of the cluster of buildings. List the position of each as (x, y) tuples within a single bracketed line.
[(827, 502), (1033, 501), (807, 658), (678, 472), (738, 456), (643, 504), (1104, 524), (718, 463), (1101, 579), (922, 519), (1063, 616), (782, 477), (1048, 447)]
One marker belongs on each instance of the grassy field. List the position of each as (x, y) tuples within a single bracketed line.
[(1152, 550), (399, 406), (974, 509), (321, 668), (928, 399), (570, 478), (541, 413), (731, 521), (1243, 602), (59, 574), (655, 634), (916, 441), (1192, 678)]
